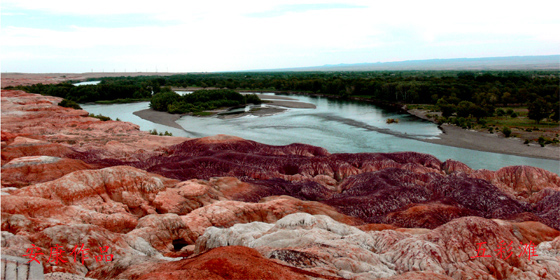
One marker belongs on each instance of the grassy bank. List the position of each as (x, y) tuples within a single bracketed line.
[(506, 122), (122, 100)]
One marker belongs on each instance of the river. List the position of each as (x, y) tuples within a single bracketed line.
[(338, 126)]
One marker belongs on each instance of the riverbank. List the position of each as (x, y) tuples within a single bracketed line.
[(487, 142)]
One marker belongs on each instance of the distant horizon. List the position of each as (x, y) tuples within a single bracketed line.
[(63, 36), (288, 69)]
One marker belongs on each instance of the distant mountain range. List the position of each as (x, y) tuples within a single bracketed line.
[(546, 62)]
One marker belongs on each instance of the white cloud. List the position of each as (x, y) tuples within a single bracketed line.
[(221, 35)]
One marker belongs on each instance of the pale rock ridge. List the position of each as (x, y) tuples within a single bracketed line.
[(331, 248)]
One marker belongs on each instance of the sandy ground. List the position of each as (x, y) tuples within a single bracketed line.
[(158, 117), (273, 97), (284, 101), (480, 141), (291, 104), (487, 142)]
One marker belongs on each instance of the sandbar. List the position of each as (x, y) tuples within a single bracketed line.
[(158, 117), (488, 142)]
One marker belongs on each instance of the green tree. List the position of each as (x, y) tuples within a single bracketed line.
[(500, 112), (446, 109), (464, 109), (555, 112), (539, 109), (467, 108), (506, 98), (69, 104), (160, 101)]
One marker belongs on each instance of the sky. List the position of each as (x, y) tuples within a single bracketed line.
[(69, 36)]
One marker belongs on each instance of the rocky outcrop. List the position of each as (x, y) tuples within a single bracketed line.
[(322, 245), (523, 182), (65, 132), (23, 171), (450, 166)]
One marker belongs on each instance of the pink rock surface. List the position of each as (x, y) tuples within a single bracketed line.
[(24, 171), (524, 182), (41, 117), (450, 166)]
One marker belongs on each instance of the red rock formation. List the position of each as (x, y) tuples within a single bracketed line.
[(419, 276), (86, 181), (427, 215), (24, 171), (375, 227), (450, 166), (232, 262), (24, 147), (524, 182), (39, 117), (108, 190)]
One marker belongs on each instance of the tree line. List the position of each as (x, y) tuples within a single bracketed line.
[(461, 93)]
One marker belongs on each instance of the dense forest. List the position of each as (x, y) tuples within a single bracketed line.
[(473, 94)]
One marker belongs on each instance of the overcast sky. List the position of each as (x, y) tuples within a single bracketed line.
[(193, 36)]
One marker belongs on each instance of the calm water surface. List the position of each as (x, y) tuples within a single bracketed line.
[(338, 126)]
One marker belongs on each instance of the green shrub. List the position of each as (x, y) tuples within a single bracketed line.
[(500, 112), (252, 98), (542, 141), (514, 115), (69, 104), (506, 131), (155, 132), (101, 117)]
